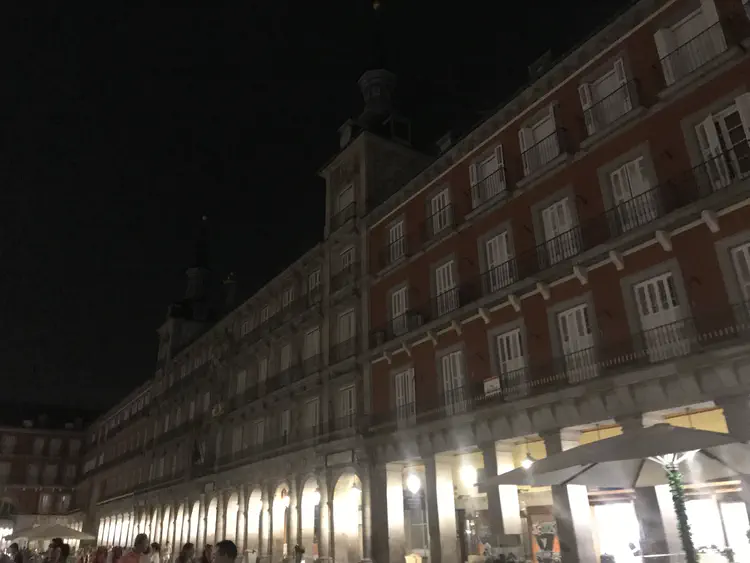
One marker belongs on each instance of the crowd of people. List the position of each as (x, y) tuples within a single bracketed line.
[(140, 552)]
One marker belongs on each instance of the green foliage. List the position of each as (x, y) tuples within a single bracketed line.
[(683, 527)]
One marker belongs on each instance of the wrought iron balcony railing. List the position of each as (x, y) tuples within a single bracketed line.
[(441, 222), (613, 106), (693, 54), (489, 188), (343, 350), (543, 151)]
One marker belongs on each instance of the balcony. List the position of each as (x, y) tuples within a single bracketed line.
[(247, 396), (343, 350), (489, 188), (607, 110), (542, 152), (440, 223), (705, 331), (693, 54), (345, 276), (711, 179), (342, 217), (394, 251), (312, 364)]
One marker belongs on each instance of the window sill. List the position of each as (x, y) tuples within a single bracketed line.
[(548, 169), (603, 134), (488, 205)]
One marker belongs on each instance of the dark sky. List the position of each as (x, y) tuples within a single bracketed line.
[(121, 127)]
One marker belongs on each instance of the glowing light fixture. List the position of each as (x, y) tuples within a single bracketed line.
[(527, 462), (468, 474), (413, 484), (316, 497), (285, 500)]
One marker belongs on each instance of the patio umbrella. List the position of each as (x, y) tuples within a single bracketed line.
[(50, 531), (659, 454)]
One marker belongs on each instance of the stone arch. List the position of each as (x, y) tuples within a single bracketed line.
[(194, 523), (280, 519), (211, 514), (166, 531), (310, 523), (153, 528), (347, 517), (179, 528), (254, 520), (230, 517), (125, 532)]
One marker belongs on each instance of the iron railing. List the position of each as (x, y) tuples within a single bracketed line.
[(441, 222), (543, 151), (696, 184), (344, 276), (394, 251), (693, 54), (343, 350), (489, 188), (342, 217)]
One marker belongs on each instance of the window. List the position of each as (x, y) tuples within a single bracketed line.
[(405, 396), (63, 504), (32, 474), (510, 364), (347, 259), (398, 311), (287, 297), (723, 140), (70, 473), (265, 313), (445, 297), (441, 216), (313, 280), (262, 370), (312, 343), (258, 427), (345, 199), (191, 410), (50, 474), (690, 43), (8, 443), (500, 271), (452, 366), (577, 341), (538, 143), (347, 326), (166, 422), (286, 425), (285, 359), (487, 177), (241, 381), (245, 329), (237, 439), (396, 241), (177, 416), (312, 415), (4, 471), (38, 446), (661, 317), (347, 406), (741, 261), (206, 401), (183, 370), (634, 201), (606, 99), (45, 503), (560, 240)]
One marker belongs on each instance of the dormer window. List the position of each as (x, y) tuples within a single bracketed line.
[(487, 176)]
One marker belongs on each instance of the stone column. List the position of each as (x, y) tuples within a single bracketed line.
[(441, 510), (325, 547), (293, 523), (220, 517), (503, 504), (366, 515), (177, 521), (202, 517), (570, 507), (241, 533), (265, 541), (387, 513)]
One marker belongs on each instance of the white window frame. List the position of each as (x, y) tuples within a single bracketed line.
[(345, 198), (441, 212), (498, 256), (446, 296), (346, 326), (405, 396), (311, 346), (741, 263), (396, 241), (265, 314), (491, 185), (287, 298)]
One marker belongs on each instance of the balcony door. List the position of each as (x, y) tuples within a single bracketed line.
[(445, 286), (577, 342), (453, 383), (440, 211), (499, 271), (405, 395), (635, 201), (561, 242), (724, 142), (661, 316), (511, 366)]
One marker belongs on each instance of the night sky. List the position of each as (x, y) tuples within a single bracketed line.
[(121, 127)]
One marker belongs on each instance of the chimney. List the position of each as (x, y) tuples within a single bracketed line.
[(445, 142), (377, 88), (230, 292)]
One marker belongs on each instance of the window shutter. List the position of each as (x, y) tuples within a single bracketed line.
[(500, 165), (712, 146), (524, 145), (664, 40), (473, 174), (584, 93), (620, 192), (743, 107), (710, 14), (622, 80)]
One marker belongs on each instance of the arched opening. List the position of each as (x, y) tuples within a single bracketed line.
[(143, 526), (310, 517), (118, 530), (347, 518), (105, 532), (100, 532), (179, 530), (280, 522), (211, 522), (254, 522), (194, 521), (124, 539), (165, 529), (230, 520)]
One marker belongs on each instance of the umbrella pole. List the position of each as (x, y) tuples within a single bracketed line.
[(677, 489)]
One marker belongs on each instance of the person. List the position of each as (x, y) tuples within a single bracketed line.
[(64, 553), (208, 554), (226, 551), (15, 553), (101, 555), (186, 553), (155, 553), (140, 548)]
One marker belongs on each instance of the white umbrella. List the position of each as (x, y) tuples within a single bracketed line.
[(643, 457), (636, 459), (50, 531)]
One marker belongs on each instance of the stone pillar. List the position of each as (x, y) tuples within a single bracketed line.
[(202, 516), (169, 550), (387, 513), (293, 523), (441, 510), (503, 504), (737, 416), (220, 517), (265, 541), (241, 533), (646, 504), (366, 515), (570, 507), (326, 528)]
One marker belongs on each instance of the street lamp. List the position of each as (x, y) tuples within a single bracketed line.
[(413, 484)]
